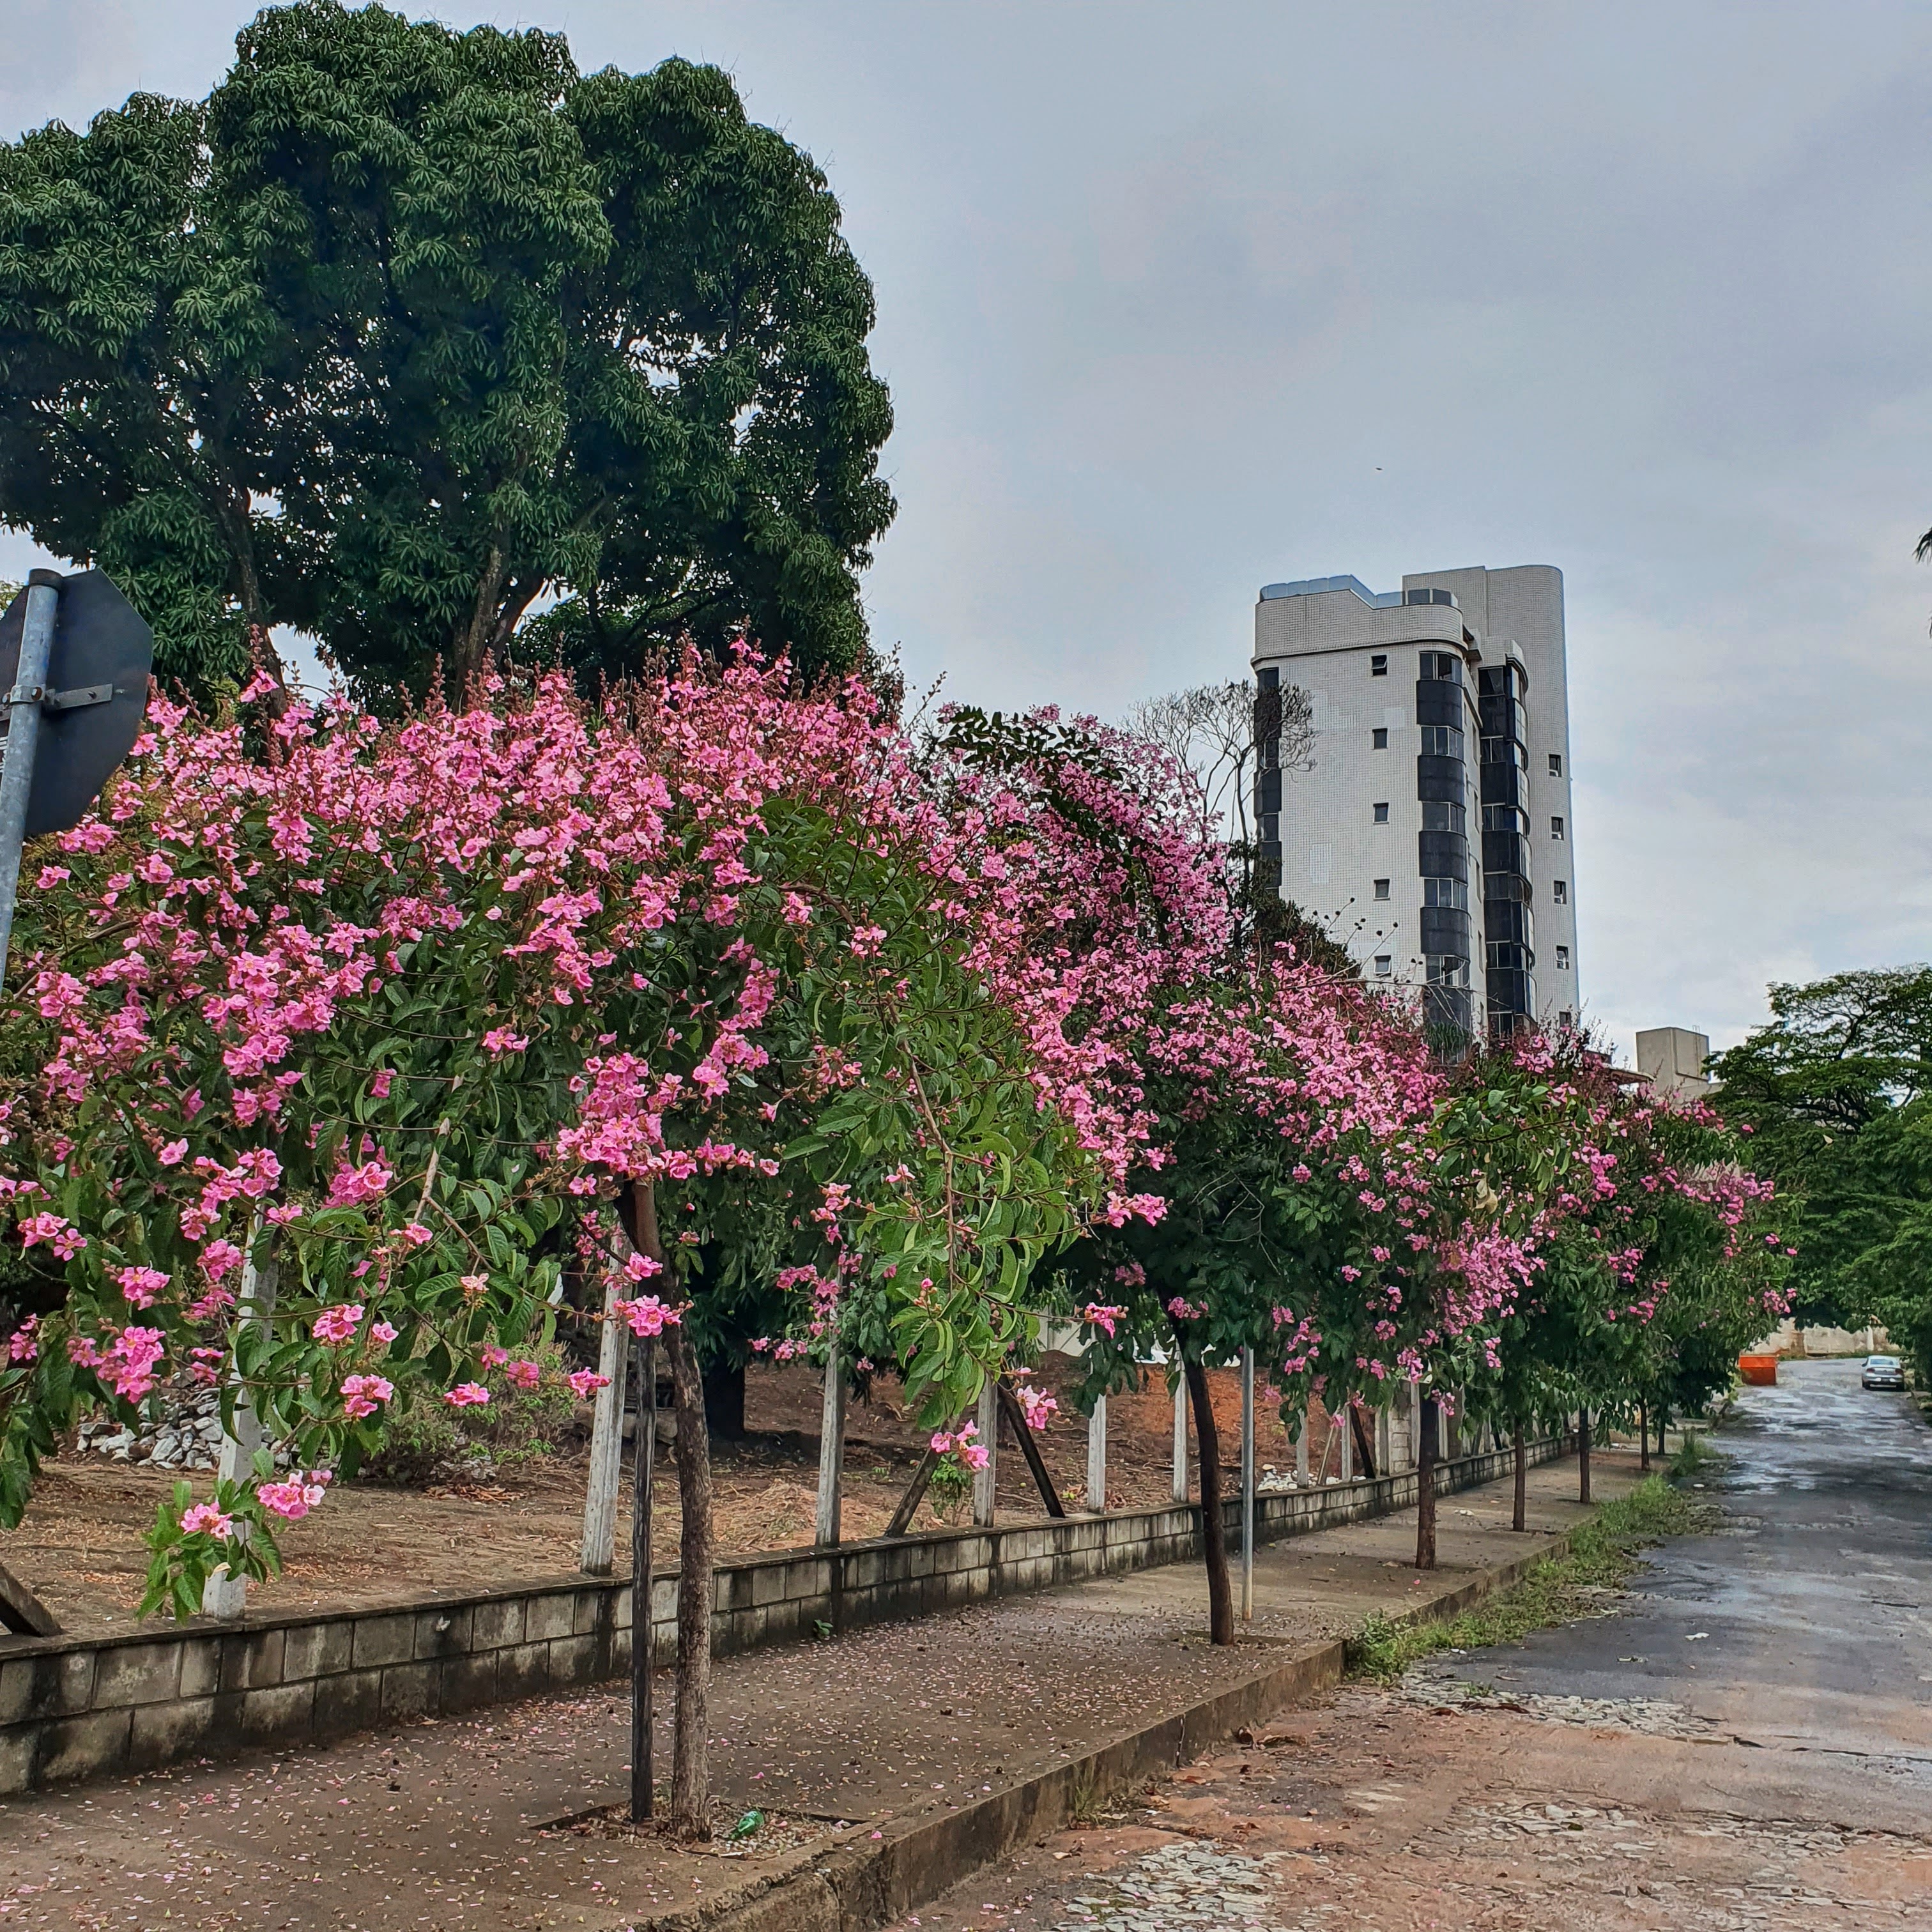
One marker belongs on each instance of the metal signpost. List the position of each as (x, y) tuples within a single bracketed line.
[(74, 660)]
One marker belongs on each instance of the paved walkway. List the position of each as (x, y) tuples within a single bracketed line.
[(1744, 1746), (465, 1822)]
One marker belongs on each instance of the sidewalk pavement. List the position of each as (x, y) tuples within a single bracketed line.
[(467, 1821)]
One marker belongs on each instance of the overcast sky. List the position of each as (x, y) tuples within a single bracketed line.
[(1178, 300)]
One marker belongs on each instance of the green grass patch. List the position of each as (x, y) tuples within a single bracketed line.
[(1692, 1459), (1602, 1553)]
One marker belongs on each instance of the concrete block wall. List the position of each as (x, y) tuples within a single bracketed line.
[(77, 1708)]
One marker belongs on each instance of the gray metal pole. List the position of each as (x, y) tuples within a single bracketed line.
[(23, 737), (1247, 1485)]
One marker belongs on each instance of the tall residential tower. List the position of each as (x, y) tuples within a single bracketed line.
[(1433, 836)]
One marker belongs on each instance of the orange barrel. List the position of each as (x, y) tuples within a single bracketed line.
[(1761, 1371)]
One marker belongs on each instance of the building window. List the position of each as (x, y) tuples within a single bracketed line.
[(1378, 663), (1381, 812), (1381, 889), (1438, 815), (1441, 741), (1441, 667), (1556, 764), (1506, 818), (1269, 678), (1379, 738), (1559, 891), (1441, 892), (1385, 961), (1563, 959), (1565, 1019), (1267, 828), (1556, 828)]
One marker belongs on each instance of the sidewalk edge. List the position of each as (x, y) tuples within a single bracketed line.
[(854, 1883)]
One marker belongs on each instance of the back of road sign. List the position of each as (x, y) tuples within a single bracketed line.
[(99, 639)]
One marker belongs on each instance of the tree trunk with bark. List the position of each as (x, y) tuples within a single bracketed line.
[(690, 1815), (725, 1400), (1517, 1519), (1643, 1435), (691, 1751), (1583, 1455), (1426, 1455), (1214, 1525)]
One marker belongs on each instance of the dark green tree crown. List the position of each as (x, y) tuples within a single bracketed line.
[(403, 331)]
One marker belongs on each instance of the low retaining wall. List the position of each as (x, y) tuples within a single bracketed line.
[(75, 1708)]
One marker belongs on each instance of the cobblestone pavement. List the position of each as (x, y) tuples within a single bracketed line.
[(1392, 1811), (1744, 1741)]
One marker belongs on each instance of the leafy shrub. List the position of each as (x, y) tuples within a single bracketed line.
[(431, 1439)]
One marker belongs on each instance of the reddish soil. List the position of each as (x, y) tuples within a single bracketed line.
[(79, 1547)]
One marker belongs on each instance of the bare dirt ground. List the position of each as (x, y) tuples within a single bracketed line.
[(79, 1547)]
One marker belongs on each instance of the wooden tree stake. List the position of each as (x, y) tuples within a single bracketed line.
[(1096, 1458), (1180, 1434), (599, 1548), (831, 1448), (224, 1595), (986, 1481)]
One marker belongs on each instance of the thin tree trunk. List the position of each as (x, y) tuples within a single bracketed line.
[(725, 1400), (691, 1750), (642, 1754), (1583, 1455), (1522, 1478), (1643, 1435), (470, 645), (1425, 1486), (691, 1739), (1365, 1448), (1214, 1527), (234, 515)]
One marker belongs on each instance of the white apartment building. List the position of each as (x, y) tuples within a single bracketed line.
[(1433, 837)]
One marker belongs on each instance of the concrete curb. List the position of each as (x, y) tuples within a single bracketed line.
[(851, 1883)]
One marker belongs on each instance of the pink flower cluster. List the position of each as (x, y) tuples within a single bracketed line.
[(294, 1498), (962, 1443)]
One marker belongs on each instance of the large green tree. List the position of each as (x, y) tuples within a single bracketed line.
[(1836, 1093), (402, 332)]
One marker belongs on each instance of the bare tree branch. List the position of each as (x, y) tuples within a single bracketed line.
[(1210, 730), (1224, 735)]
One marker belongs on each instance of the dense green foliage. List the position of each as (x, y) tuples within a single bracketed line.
[(1834, 1092), (403, 330)]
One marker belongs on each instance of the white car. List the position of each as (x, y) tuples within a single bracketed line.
[(1883, 1372)]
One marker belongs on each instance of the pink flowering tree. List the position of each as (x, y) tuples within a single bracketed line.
[(1294, 1150), (1654, 1252), (348, 1042)]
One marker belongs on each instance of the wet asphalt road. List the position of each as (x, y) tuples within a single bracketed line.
[(1805, 1622)]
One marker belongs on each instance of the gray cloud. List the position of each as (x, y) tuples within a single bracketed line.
[(1175, 302)]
